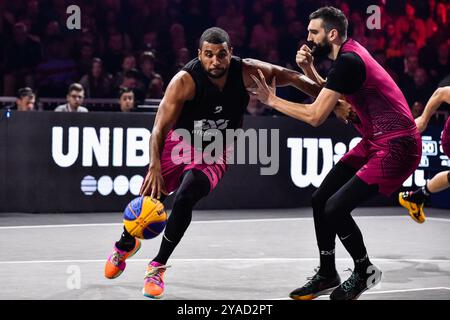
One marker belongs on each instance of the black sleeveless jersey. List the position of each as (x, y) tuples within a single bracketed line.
[(212, 108)]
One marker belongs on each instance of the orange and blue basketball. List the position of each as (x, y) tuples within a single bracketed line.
[(145, 217)]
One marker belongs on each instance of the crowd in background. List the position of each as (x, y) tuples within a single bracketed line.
[(139, 45)]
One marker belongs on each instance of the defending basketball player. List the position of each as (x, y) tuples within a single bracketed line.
[(389, 152), (210, 92), (414, 201)]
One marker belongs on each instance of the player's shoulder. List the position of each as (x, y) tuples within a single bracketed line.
[(250, 65), (192, 64), (349, 59), (349, 56), (443, 90), (182, 85), (182, 76), (443, 93)]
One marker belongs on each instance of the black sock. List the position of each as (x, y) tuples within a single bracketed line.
[(352, 239), (126, 242), (420, 195), (194, 186), (327, 263), (165, 251)]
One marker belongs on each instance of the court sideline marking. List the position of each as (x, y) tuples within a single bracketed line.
[(263, 260), (209, 222)]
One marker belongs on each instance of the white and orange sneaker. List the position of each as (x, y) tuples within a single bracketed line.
[(154, 280), (115, 264)]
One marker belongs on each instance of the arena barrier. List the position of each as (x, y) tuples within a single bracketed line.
[(50, 104), (95, 162)]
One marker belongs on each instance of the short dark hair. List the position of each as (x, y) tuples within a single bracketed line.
[(147, 56), (214, 35), (97, 60), (25, 92), (129, 55), (333, 18), (75, 87), (132, 73), (124, 90)]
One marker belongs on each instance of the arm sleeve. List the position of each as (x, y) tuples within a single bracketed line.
[(347, 74)]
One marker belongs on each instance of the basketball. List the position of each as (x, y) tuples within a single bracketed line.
[(145, 217)]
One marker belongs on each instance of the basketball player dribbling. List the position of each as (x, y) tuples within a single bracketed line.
[(210, 92)]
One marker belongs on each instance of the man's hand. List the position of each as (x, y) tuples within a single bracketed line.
[(153, 183), (263, 92), (343, 110), (304, 57), (421, 124)]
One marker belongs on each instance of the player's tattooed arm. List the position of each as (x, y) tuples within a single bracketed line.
[(180, 89), (314, 114)]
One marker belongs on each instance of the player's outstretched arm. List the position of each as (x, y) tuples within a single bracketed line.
[(439, 96), (314, 114), (285, 77), (180, 89)]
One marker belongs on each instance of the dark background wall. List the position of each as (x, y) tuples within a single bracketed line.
[(31, 180)]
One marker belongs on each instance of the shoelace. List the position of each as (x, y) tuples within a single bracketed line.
[(406, 194), (154, 274), (350, 282), (316, 270), (313, 278), (116, 258)]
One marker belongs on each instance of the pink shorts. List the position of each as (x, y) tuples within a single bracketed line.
[(178, 157), (445, 140), (387, 161)]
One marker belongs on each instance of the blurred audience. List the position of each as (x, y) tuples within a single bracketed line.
[(21, 56), (97, 84), (56, 71), (132, 80), (128, 63), (417, 109), (156, 88), (256, 108), (142, 44)]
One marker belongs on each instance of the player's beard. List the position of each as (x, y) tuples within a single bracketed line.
[(216, 75), (322, 49)]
